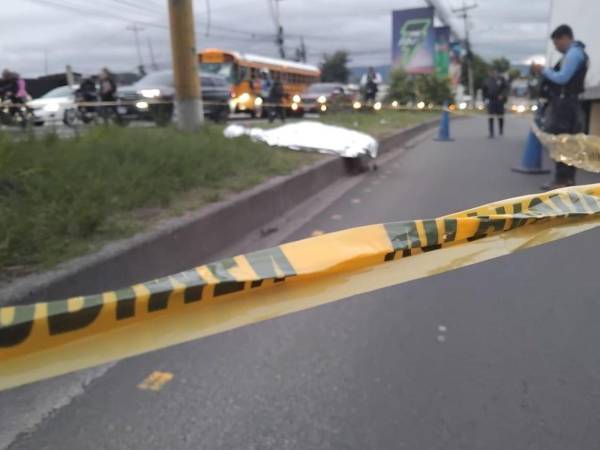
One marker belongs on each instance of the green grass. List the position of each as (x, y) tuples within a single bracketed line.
[(379, 124), (63, 198)]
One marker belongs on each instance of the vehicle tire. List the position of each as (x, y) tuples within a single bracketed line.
[(221, 115), (162, 115), (69, 117)]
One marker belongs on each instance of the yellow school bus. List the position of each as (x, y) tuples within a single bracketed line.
[(243, 71)]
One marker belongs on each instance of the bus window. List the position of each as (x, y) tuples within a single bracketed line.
[(244, 73), (225, 69)]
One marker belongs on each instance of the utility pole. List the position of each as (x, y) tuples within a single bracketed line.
[(464, 14), (188, 101), (279, 40), (45, 61), (136, 30), (152, 58)]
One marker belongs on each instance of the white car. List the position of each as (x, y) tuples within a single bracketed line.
[(54, 105)]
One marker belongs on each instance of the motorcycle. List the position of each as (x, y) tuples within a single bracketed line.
[(15, 114)]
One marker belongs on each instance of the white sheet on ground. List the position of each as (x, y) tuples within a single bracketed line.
[(311, 136)]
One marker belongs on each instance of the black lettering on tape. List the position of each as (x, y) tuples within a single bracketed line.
[(431, 234), (517, 220), (19, 328), (560, 205), (61, 320), (271, 263), (487, 225), (125, 303), (403, 236), (537, 207), (577, 202), (450, 228), (227, 282), (194, 285), (160, 292)]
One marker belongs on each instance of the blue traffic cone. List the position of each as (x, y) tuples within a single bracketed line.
[(444, 131), (532, 157)]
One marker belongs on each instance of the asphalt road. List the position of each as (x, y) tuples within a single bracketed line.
[(500, 355)]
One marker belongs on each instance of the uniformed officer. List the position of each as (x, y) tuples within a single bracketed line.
[(564, 83), (495, 93)]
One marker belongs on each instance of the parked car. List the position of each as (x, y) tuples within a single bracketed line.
[(151, 98), (54, 105), (322, 97)]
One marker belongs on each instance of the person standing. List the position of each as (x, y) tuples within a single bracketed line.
[(564, 113), (495, 89), (370, 85), (108, 93), (275, 99)]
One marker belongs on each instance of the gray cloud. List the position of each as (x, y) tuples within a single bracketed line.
[(89, 35)]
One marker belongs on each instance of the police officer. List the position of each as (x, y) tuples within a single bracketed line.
[(563, 85), (495, 90)]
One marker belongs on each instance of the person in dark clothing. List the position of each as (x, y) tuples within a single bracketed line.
[(370, 84), (495, 89), (563, 84), (87, 93), (108, 93), (108, 86), (276, 94)]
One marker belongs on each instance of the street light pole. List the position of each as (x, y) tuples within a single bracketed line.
[(463, 13), (188, 101), (136, 29)]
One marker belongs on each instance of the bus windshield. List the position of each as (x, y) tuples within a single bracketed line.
[(222, 69)]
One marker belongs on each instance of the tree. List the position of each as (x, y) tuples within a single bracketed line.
[(432, 89), (402, 86), (481, 70), (413, 88), (502, 64), (514, 73), (335, 67)]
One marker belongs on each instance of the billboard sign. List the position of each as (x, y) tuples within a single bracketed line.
[(413, 41), (442, 51)]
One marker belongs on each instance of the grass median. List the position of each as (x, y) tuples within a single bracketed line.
[(61, 198)]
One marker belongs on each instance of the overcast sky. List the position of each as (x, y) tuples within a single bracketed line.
[(89, 34)]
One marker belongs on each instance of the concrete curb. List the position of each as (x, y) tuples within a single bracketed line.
[(187, 241)]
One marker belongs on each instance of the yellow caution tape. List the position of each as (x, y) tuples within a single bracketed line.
[(42, 340), (579, 150)]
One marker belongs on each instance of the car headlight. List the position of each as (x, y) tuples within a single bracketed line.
[(141, 105), (258, 101), (377, 106), (521, 108), (462, 105), (421, 105), (395, 104), (296, 98), (357, 105), (52, 107), (322, 99), (244, 97), (294, 106), (150, 93), (534, 108)]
